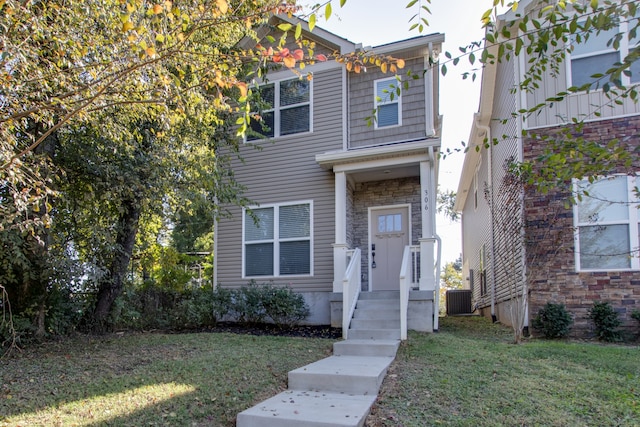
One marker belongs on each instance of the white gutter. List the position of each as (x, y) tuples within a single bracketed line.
[(428, 95)]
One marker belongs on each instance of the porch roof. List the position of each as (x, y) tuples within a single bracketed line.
[(380, 162)]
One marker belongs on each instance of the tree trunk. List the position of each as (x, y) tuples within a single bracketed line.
[(110, 287)]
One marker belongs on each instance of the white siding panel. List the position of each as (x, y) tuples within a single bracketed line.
[(582, 106)]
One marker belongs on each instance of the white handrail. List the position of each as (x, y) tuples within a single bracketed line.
[(350, 289), (436, 297), (406, 271)]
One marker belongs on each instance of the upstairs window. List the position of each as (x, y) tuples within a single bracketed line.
[(278, 242), (606, 220), (596, 55), (387, 103), (287, 109), (592, 56)]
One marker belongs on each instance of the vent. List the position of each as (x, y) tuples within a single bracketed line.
[(458, 302)]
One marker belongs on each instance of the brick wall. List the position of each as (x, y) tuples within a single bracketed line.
[(550, 245)]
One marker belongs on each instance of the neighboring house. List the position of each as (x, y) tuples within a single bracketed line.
[(325, 183), (516, 239)]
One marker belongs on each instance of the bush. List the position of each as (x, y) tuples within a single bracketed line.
[(283, 306), (246, 306), (636, 315), (553, 320), (606, 321), (257, 303)]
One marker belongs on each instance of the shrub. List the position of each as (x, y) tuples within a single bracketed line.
[(636, 315), (222, 300), (246, 304), (553, 320), (606, 321), (283, 306)]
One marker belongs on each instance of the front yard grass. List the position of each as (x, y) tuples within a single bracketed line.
[(469, 374), (200, 379)]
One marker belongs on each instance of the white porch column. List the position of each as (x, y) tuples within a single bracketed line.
[(427, 242), (340, 245)]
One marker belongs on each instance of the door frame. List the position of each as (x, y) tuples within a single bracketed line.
[(370, 211)]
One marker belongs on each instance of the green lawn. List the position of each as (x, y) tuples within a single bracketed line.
[(148, 379), (468, 374)]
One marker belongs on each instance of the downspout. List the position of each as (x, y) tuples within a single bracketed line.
[(487, 132), (428, 100), (436, 238)]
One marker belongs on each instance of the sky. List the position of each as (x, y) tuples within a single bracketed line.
[(376, 22)]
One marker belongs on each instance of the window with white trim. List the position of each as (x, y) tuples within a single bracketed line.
[(277, 240), (606, 220), (597, 54), (287, 109), (387, 101)]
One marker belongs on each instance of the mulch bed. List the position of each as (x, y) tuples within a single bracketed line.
[(303, 331)]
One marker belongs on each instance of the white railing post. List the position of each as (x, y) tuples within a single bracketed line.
[(350, 289), (406, 273), (436, 296)]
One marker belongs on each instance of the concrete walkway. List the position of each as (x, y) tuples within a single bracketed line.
[(338, 390)]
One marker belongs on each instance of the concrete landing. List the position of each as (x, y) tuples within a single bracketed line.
[(295, 408), (346, 374)]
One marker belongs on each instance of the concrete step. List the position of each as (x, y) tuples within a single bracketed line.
[(383, 313), (379, 295), (378, 304), (342, 374), (295, 408), (377, 348), (375, 323), (374, 334)]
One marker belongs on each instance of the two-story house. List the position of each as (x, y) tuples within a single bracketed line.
[(521, 248), (339, 201)]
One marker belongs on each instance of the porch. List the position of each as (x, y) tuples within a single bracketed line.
[(385, 239)]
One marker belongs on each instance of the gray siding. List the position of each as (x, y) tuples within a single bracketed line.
[(361, 106), (476, 226), (498, 231), (507, 250), (285, 170), (582, 106)]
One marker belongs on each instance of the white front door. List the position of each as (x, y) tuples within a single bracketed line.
[(389, 231)]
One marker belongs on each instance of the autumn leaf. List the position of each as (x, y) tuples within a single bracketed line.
[(243, 88), (289, 61), (383, 67), (298, 54), (157, 9), (321, 57), (400, 63), (223, 6), (127, 26)]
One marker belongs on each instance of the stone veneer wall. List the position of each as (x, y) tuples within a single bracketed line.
[(550, 244), (383, 193)]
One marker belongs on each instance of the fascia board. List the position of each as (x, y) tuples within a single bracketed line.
[(343, 45), (412, 43), (405, 149)]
